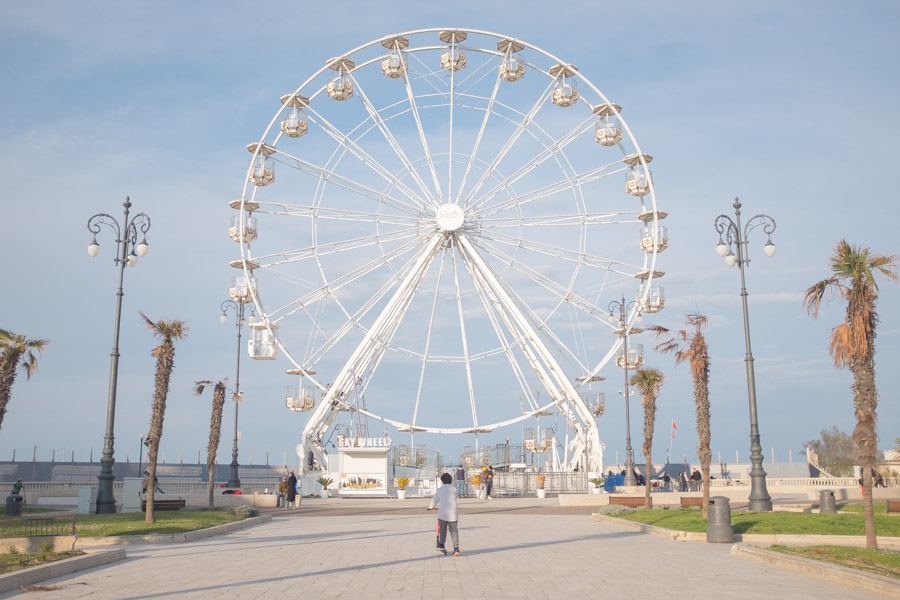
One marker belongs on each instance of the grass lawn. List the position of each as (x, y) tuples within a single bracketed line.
[(167, 522), (880, 562), (880, 508), (770, 522), (13, 561)]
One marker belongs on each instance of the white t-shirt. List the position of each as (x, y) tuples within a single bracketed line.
[(445, 500)]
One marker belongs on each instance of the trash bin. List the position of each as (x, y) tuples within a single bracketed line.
[(826, 502), (718, 528), (14, 504)]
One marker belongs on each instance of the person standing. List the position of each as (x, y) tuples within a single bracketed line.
[(282, 491), (460, 482), (696, 478), (445, 502), (482, 484), (490, 483), (291, 493), (682, 482)]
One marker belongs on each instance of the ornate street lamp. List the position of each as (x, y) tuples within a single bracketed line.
[(759, 495), (127, 252), (234, 480), (628, 358)]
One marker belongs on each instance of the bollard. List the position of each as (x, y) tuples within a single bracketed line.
[(14, 505), (718, 528), (826, 502)]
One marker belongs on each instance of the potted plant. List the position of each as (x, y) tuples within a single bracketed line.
[(402, 482), (541, 493), (597, 481), (325, 482)]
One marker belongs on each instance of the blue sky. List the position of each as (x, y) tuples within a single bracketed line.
[(791, 107)]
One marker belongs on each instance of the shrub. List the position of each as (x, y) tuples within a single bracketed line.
[(402, 482), (597, 481), (540, 481), (615, 510), (325, 482), (243, 511)]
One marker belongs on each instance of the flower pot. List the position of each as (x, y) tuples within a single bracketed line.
[(401, 494), (541, 493), (595, 490), (323, 493)]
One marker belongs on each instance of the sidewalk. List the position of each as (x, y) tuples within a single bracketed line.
[(511, 548)]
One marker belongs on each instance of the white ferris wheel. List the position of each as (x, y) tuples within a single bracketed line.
[(435, 222)]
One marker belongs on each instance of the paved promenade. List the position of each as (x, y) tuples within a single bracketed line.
[(511, 548)]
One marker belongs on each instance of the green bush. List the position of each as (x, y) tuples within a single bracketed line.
[(244, 511), (615, 510)]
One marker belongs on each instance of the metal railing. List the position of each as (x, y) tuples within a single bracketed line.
[(37, 527)]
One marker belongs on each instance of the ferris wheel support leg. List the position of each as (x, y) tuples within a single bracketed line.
[(543, 362), (368, 350)]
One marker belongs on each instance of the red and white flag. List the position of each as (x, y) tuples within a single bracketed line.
[(673, 429)]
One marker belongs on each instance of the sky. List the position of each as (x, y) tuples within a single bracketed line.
[(778, 104)]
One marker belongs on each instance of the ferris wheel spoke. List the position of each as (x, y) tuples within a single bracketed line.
[(329, 176), (395, 145), (548, 152), (427, 350), (367, 159), (465, 342), (558, 253), (495, 315), (327, 213), (572, 182), (484, 121), (422, 137), (409, 234), (521, 127), (328, 288)]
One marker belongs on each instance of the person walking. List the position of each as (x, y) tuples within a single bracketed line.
[(445, 502), (460, 481), (291, 493)]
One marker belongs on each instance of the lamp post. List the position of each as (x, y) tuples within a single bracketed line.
[(127, 252), (141, 455), (234, 480), (759, 495), (618, 315)]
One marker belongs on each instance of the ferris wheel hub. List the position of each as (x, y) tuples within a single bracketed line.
[(450, 217)]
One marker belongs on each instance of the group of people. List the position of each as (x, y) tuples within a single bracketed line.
[(485, 482), (690, 483), (287, 492)]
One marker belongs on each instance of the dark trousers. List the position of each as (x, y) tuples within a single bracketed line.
[(442, 528)]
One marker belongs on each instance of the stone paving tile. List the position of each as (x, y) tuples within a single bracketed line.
[(514, 550)]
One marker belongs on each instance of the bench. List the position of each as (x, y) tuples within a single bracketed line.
[(632, 501), (689, 501), (176, 504), (893, 506)]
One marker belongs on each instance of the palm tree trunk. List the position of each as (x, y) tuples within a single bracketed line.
[(864, 436), (215, 431), (165, 362), (7, 377)]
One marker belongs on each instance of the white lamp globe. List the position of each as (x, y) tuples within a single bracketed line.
[(731, 259), (93, 248), (223, 318), (143, 248), (769, 249), (721, 249)]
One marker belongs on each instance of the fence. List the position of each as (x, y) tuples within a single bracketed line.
[(36, 527)]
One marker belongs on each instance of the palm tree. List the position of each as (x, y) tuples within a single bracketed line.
[(15, 349), (169, 332), (648, 382), (853, 346), (215, 429), (689, 346)]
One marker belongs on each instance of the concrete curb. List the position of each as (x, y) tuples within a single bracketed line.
[(30, 576), (833, 573), (174, 538)]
